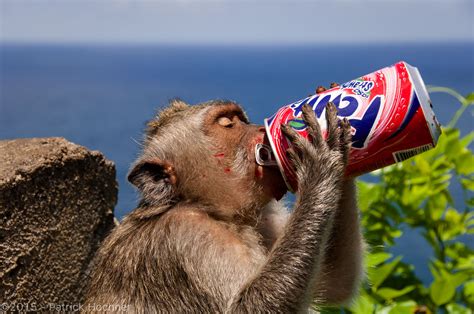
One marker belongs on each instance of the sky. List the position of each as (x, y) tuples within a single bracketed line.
[(236, 22)]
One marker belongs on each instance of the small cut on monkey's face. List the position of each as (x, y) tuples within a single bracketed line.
[(234, 140)]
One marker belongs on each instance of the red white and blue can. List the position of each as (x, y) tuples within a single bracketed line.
[(390, 113)]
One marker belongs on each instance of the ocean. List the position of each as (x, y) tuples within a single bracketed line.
[(100, 96)]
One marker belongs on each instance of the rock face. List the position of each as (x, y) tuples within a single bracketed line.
[(56, 206)]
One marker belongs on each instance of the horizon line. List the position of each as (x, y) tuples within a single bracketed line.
[(229, 44)]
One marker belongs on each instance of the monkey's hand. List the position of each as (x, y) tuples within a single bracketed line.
[(319, 163)]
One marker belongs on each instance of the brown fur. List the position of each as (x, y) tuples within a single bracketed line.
[(207, 236)]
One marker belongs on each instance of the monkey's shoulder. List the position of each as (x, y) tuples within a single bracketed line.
[(178, 227), (199, 226)]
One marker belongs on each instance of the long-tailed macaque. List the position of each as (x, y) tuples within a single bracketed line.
[(209, 236)]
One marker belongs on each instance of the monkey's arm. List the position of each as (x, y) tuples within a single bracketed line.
[(286, 281), (342, 268)]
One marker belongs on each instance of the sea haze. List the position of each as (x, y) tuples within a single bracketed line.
[(101, 96)]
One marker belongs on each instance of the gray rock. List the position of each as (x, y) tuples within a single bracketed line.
[(56, 206)]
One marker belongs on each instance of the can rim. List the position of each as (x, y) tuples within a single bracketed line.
[(277, 157), (419, 88)]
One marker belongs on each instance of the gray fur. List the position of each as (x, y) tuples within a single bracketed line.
[(188, 249)]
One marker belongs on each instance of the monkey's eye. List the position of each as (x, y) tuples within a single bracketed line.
[(225, 122)]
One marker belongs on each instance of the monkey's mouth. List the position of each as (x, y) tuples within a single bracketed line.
[(264, 155)]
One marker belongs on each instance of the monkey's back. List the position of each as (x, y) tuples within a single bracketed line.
[(140, 265)]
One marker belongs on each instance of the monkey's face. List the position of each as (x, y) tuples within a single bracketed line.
[(234, 140), (205, 154)]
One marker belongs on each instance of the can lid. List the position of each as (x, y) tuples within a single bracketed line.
[(425, 102), (264, 155)]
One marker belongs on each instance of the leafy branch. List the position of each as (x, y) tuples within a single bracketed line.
[(416, 194)]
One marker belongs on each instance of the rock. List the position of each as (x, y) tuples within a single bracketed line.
[(56, 206)]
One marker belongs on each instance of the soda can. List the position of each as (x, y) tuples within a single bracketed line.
[(390, 113)]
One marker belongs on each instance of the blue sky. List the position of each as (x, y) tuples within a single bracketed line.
[(231, 21)]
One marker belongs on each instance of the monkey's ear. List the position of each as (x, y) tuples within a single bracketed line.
[(156, 181), (152, 175)]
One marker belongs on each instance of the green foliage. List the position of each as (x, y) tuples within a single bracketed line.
[(416, 194)]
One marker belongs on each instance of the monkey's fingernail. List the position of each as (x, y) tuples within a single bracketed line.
[(333, 84), (320, 89)]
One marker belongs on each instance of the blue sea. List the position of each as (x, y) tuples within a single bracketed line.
[(100, 96)]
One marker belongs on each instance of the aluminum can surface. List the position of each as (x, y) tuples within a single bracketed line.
[(390, 113)]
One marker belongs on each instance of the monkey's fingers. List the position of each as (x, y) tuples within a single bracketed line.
[(345, 139), (296, 139), (314, 129), (320, 89), (294, 158), (333, 131)]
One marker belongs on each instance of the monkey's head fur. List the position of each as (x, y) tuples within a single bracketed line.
[(204, 154)]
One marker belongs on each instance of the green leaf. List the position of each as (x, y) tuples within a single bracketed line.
[(376, 226), (379, 274), (468, 292), (441, 179), (423, 166), (459, 278), (396, 233), (442, 291), (452, 216), (467, 184), (390, 294), (451, 133), (434, 271), (368, 194), (454, 308), (436, 206), (374, 259), (362, 305), (470, 98), (407, 307), (453, 148), (440, 164), (415, 195), (465, 164)]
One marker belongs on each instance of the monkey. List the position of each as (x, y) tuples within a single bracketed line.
[(210, 233)]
